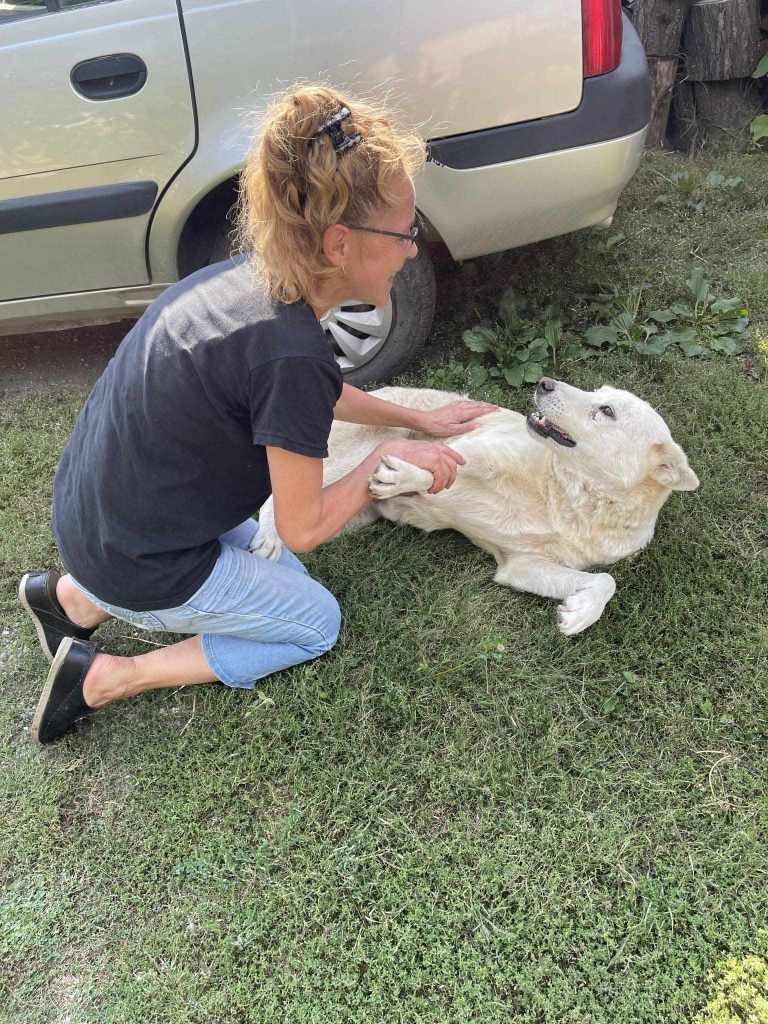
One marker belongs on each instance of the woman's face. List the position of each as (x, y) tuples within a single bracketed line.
[(375, 259)]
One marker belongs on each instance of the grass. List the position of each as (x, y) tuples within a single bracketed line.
[(442, 820)]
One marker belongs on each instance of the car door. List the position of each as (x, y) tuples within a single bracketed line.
[(97, 117)]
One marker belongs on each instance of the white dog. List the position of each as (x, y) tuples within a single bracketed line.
[(577, 485)]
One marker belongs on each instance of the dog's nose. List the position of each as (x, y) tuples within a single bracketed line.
[(546, 384)]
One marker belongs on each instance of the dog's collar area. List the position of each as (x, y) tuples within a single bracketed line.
[(545, 428)]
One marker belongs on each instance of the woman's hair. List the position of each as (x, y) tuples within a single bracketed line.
[(293, 187)]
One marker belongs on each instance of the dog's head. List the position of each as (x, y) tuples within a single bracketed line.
[(609, 435)]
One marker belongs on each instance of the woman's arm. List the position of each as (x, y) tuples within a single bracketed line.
[(306, 513), (356, 406)]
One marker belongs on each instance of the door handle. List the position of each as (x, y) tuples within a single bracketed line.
[(109, 78)]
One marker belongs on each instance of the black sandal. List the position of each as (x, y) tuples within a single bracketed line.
[(61, 702), (37, 593)]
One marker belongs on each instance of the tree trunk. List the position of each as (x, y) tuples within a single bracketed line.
[(659, 24), (682, 123), (724, 109), (663, 71), (721, 39)]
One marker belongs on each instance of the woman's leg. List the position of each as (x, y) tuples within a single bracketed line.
[(77, 606), (110, 678), (85, 613), (254, 617)]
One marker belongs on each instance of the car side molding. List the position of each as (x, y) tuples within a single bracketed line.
[(77, 206)]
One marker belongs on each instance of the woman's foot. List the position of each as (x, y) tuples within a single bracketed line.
[(77, 606), (109, 678), (80, 679), (38, 597), (62, 702)]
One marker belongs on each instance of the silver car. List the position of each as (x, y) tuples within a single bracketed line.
[(125, 123)]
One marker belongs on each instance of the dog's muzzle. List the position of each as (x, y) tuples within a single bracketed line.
[(546, 428)]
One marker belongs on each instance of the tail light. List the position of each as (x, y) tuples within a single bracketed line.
[(601, 34)]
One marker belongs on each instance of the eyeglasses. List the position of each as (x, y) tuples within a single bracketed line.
[(412, 235)]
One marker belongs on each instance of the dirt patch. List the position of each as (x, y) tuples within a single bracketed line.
[(73, 358)]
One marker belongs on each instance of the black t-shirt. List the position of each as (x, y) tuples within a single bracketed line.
[(168, 451)]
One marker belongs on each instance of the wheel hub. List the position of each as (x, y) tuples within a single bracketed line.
[(357, 331)]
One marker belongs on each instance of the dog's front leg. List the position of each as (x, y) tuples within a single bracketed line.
[(585, 594), (267, 543), (392, 476)]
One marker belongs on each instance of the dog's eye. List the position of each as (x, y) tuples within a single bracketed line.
[(607, 410)]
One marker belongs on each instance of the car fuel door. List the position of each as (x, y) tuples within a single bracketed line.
[(97, 117)]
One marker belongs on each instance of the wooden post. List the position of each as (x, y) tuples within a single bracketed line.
[(721, 39), (721, 45), (659, 24), (724, 109)]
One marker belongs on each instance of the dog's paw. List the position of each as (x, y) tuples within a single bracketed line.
[(392, 476), (266, 544), (585, 607)]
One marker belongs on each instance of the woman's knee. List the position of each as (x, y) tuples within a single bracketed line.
[(330, 620)]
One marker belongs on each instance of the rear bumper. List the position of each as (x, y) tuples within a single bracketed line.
[(501, 206), (497, 189), (612, 106)]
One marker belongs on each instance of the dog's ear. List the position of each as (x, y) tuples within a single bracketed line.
[(669, 466)]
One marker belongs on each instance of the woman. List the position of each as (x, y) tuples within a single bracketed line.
[(223, 391)]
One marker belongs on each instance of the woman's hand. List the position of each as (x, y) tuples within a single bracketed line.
[(456, 418), (438, 459)]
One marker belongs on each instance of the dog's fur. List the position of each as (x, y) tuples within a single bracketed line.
[(545, 512)]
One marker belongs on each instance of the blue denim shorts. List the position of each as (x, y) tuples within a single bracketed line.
[(254, 616)]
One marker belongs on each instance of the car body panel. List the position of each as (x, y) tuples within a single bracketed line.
[(425, 56), (475, 210), (53, 140), (75, 309), (422, 58), (612, 105)]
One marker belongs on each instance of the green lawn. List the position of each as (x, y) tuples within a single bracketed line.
[(439, 821)]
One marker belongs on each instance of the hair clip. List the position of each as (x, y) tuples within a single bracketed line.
[(339, 138)]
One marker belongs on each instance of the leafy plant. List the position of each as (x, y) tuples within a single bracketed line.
[(611, 243), (616, 702), (456, 376), (493, 649), (697, 326), (523, 346), (625, 327), (522, 350), (759, 125), (717, 180), (688, 189)]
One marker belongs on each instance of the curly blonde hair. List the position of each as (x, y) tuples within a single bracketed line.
[(293, 187)]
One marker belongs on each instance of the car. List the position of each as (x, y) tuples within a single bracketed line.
[(125, 125)]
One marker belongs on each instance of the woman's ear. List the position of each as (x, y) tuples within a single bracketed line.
[(669, 467), (336, 244)]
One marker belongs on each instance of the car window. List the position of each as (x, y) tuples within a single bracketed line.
[(65, 4), (20, 8), (26, 8)]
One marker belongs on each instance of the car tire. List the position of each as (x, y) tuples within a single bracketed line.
[(376, 343)]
